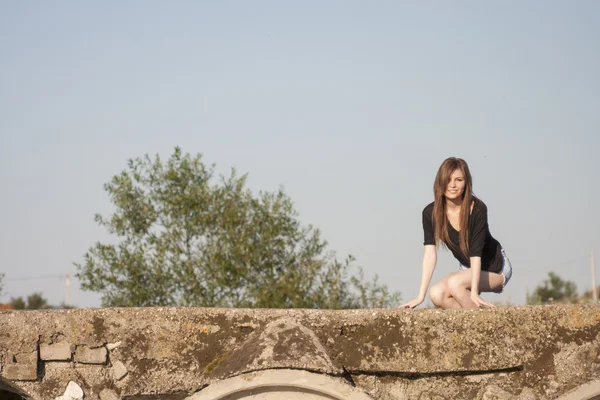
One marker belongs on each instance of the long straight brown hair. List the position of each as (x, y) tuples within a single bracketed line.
[(440, 220)]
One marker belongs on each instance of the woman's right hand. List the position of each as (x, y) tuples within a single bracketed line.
[(412, 304)]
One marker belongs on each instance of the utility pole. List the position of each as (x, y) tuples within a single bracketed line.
[(68, 290), (593, 266)]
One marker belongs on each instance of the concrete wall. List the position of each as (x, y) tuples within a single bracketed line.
[(545, 352)]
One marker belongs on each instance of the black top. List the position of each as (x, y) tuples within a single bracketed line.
[(481, 242)]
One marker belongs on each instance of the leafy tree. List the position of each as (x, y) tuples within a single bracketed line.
[(1, 283), (554, 290), (184, 239), (18, 303), (35, 301)]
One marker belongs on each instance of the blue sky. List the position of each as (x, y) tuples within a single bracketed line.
[(351, 106)]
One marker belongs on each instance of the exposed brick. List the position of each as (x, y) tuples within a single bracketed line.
[(119, 370), (27, 358), (24, 369), (85, 355), (55, 352), (20, 372)]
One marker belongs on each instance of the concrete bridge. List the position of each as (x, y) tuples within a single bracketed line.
[(520, 353)]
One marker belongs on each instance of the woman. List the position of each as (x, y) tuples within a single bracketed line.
[(458, 220)]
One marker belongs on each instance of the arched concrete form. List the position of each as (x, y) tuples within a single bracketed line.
[(9, 391), (589, 391), (279, 384)]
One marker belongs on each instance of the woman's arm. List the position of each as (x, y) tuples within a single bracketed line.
[(475, 276), (427, 268)]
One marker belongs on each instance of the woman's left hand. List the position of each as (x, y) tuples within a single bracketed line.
[(479, 302)]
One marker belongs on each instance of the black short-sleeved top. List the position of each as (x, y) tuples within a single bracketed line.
[(481, 242)]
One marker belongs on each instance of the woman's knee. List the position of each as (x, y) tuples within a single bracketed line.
[(437, 294), (456, 285)]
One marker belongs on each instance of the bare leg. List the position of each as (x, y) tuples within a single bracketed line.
[(440, 294), (459, 285)]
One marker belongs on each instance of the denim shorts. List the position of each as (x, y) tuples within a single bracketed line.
[(506, 270)]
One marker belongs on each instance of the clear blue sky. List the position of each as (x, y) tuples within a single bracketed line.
[(351, 106)]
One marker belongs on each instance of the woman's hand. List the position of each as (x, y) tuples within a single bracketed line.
[(475, 298), (412, 304)]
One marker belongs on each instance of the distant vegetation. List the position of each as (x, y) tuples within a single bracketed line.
[(34, 301), (555, 290)]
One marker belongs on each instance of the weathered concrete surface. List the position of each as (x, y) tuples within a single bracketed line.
[(282, 343), (522, 352), (108, 394)]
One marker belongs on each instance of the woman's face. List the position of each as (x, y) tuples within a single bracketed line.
[(456, 186)]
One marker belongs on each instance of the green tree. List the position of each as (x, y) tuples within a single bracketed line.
[(554, 290), (35, 301), (184, 239), (18, 303)]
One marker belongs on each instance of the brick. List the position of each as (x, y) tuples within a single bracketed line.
[(85, 355), (20, 372), (24, 369), (119, 370), (27, 358), (55, 352)]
